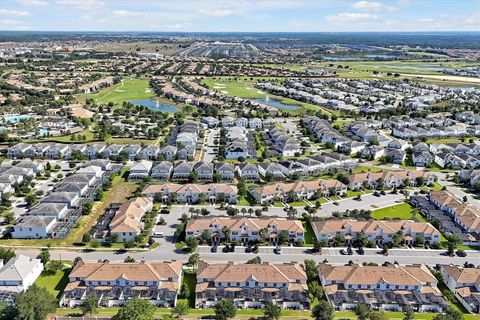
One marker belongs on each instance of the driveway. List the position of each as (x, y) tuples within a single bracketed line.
[(210, 154)]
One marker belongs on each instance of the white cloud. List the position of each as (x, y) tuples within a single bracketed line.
[(219, 12), (13, 13), (126, 13), (82, 4), (373, 6), (351, 17), (33, 3), (9, 22)]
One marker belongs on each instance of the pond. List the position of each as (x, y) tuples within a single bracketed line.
[(424, 67), (15, 119), (277, 104), (155, 105)]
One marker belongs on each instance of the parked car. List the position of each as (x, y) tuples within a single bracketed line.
[(336, 203), (278, 250), (232, 248), (343, 252), (461, 253), (164, 211), (158, 234), (360, 251), (349, 251), (383, 192), (248, 249), (376, 194), (214, 249), (226, 249)]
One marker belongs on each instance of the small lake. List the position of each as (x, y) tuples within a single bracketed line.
[(277, 104), (340, 59), (15, 119), (315, 70), (155, 105)]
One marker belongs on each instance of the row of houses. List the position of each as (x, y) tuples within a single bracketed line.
[(377, 231), (465, 285), (386, 288), (240, 143), (11, 175), (192, 193), (252, 123), (281, 143), (56, 213), (127, 223), (99, 84)]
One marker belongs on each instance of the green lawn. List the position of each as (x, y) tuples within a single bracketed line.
[(190, 279), (128, 89), (54, 282), (309, 234), (399, 211)]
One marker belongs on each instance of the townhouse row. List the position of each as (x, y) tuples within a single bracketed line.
[(56, 213)]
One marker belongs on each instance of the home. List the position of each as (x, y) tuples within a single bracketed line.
[(34, 227), (132, 151), (422, 158), (241, 122), (255, 123), (56, 210), (114, 283), (203, 171), (192, 193), (69, 198), (162, 170), (248, 171), (272, 171), (246, 230), (149, 152), (389, 179), (465, 285), (127, 223), (17, 275), (140, 170), (227, 121), (252, 285), (112, 151), (210, 121), (224, 171), (384, 288), (168, 152), (182, 171), (376, 231)]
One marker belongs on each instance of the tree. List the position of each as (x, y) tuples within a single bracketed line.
[(129, 259), (34, 304), (225, 309), (311, 269), (87, 207), (192, 243), (94, 244), (256, 260), (184, 291), (362, 311), (226, 232), (453, 240), (362, 239), (397, 238), (44, 256), (6, 254), (135, 309), (86, 237), (283, 237), (450, 314), (315, 289), (180, 309), (377, 315), (90, 304), (55, 265), (271, 311), (408, 313), (193, 259), (322, 311)]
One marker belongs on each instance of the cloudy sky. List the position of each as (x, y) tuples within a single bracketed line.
[(240, 15)]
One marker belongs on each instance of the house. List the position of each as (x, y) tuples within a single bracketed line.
[(182, 171), (69, 198), (33, 227), (252, 285), (255, 123), (140, 170), (56, 210), (81, 177), (80, 188), (225, 171), (377, 231), (18, 150), (384, 288), (192, 193), (186, 152), (389, 179), (112, 151), (149, 152), (17, 275), (246, 230), (372, 152), (132, 150), (227, 121), (203, 171), (248, 172), (127, 223), (114, 283), (398, 144), (168, 152), (210, 121), (300, 190), (162, 170), (465, 285), (422, 158), (241, 122), (94, 150), (272, 171), (56, 151)]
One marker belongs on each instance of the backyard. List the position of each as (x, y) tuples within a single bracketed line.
[(401, 211)]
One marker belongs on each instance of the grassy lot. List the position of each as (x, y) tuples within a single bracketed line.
[(309, 234), (54, 282), (190, 279), (399, 211), (128, 89)]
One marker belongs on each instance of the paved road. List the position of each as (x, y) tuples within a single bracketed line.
[(168, 252), (459, 192), (368, 202), (209, 154)]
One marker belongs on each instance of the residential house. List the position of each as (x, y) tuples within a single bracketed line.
[(465, 285), (192, 193), (140, 170)]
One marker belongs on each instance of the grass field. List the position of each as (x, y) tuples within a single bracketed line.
[(54, 282), (399, 211), (128, 89)]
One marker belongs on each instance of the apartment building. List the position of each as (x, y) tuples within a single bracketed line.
[(192, 193), (465, 284), (378, 231), (246, 229), (127, 221), (389, 179), (385, 288), (252, 285), (113, 283)]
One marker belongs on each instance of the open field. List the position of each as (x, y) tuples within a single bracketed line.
[(128, 89), (54, 282), (143, 46), (400, 211), (446, 77)]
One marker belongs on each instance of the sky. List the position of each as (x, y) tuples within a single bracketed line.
[(240, 15)]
